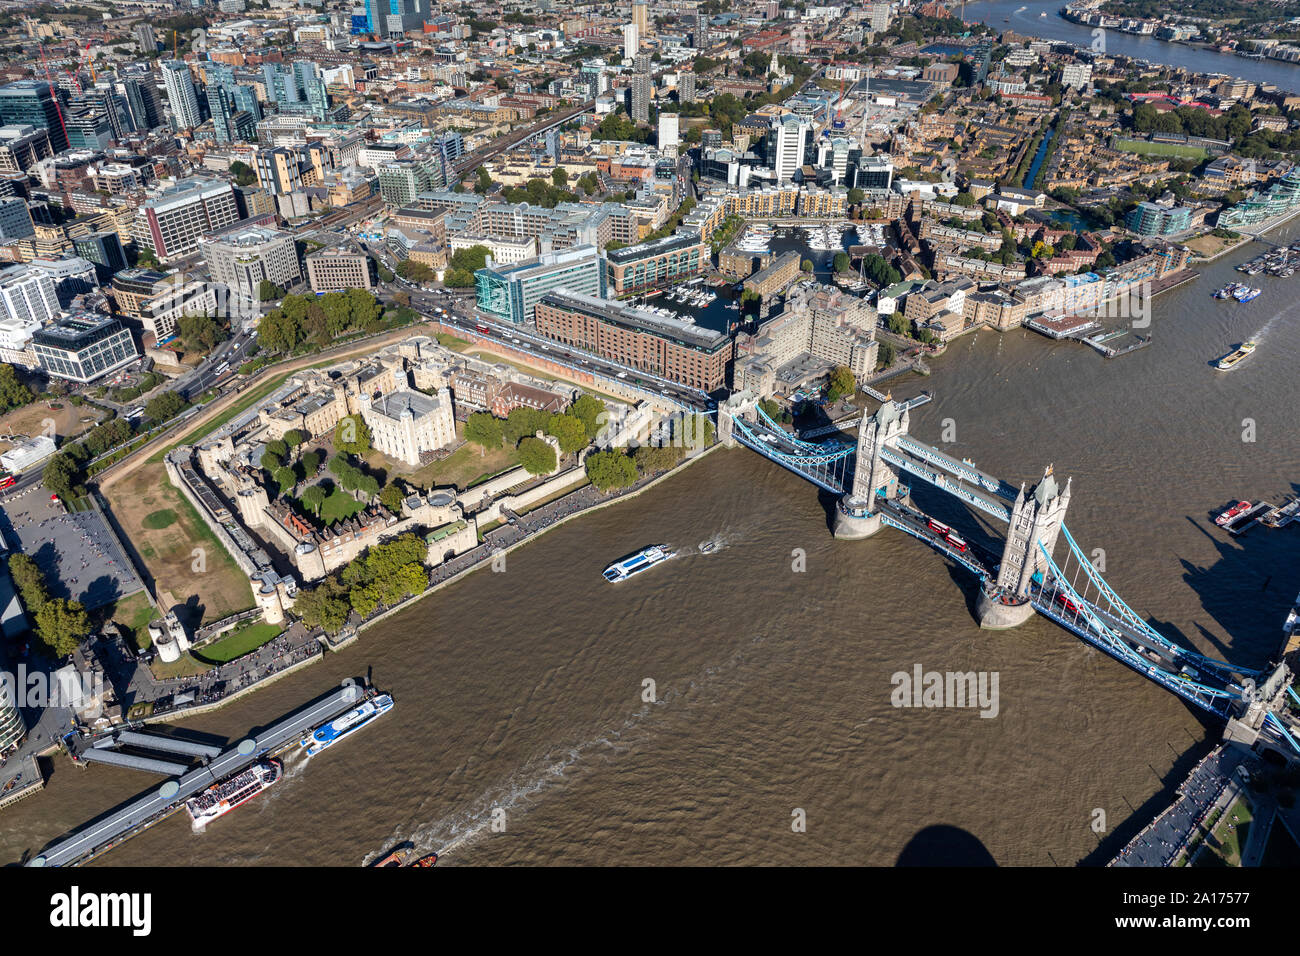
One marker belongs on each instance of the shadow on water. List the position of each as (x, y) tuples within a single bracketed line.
[(944, 845), (1265, 575), (1108, 846)]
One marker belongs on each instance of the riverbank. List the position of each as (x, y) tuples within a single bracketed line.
[(492, 553)]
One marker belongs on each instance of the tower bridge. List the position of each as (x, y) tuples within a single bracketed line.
[(1026, 578)]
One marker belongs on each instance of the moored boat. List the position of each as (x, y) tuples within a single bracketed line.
[(223, 796)]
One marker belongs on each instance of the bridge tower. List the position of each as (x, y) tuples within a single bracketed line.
[(1036, 518), (737, 406), (873, 478)]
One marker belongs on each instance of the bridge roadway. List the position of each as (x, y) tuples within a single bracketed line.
[(141, 813), (916, 523), (1172, 681)]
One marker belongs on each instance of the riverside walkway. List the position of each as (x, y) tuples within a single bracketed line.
[(103, 834)]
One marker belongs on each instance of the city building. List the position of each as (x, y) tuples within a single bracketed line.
[(181, 94), (105, 250), (28, 295), (512, 294), (32, 103), (170, 224), (15, 220), (658, 264), (336, 268), (85, 347), (242, 258), (1154, 219), (12, 727), (406, 424), (672, 349)]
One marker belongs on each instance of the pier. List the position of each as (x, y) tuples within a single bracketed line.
[(100, 835)]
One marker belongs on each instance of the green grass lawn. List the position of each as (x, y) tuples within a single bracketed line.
[(1223, 846), (238, 644), (133, 614), (337, 506), (159, 519), (1160, 149)]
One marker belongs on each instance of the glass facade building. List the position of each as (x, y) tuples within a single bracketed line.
[(511, 294), (83, 348)]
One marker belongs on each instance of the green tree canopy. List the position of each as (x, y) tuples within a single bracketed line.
[(484, 429), (570, 431), (536, 456), (13, 393), (842, 383), (352, 435), (61, 625), (610, 469)]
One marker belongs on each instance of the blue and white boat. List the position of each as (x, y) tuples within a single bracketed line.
[(634, 564), (329, 734)]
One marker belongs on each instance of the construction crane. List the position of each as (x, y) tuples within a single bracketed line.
[(53, 93)]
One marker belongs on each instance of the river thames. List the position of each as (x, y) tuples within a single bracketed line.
[(520, 694), (1042, 19)]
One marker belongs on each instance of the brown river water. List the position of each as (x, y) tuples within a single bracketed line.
[(521, 692)]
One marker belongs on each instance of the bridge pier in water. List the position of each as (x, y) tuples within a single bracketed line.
[(1036, 519), (1027, 579), (858, 512)]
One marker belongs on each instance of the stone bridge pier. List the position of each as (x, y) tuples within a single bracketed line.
[(1036, 518)]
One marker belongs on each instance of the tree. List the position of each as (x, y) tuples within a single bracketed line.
[(560, 177), (570, 431), (60, 474), (164, 406), (841, 383), (271, 461), (885, 355), (965, 200), (268, 290), (392, 497), (29, 579), (806, 265), (311, 463), (537, 456), (856, 195), (589, 409), (199, 332), (62, 625), (610, 469), (294, 438), (243, 173), (324, 606), (278, 447), (352, 435), (285, 479), (484, 429), (841, 262), (13, 393), (414, 271), (524, 421), (312, 499)]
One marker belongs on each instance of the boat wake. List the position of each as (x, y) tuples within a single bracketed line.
[(557, 767)]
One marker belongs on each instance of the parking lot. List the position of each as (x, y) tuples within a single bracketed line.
[(78, 553)]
